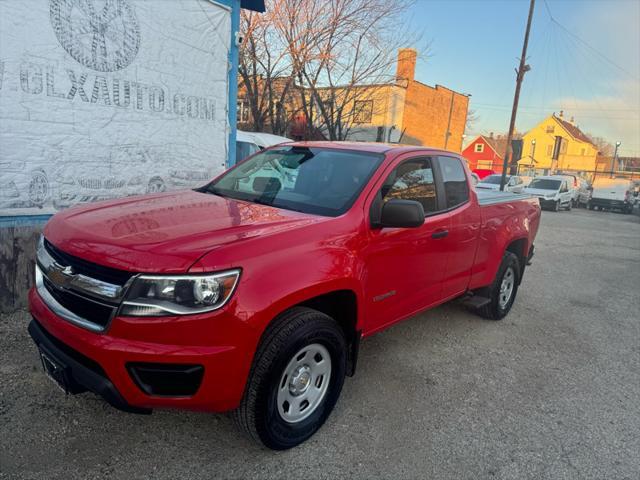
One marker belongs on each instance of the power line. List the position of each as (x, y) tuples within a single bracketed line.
[(586, 44)]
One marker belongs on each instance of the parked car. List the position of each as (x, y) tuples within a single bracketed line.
[(248, 143), (552, 191), (612, 194), (526, 180), (583, 192), (475, 179), (513, 183), (483, 172), (254, 297), (573, 182)]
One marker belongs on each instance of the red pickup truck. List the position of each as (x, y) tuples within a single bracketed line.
[(253, 292)]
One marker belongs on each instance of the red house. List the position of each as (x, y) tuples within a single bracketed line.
[(486, 153)]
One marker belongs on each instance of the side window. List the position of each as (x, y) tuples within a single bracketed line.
[(456, 187), (412, 180)]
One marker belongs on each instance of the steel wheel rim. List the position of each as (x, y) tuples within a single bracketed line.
[(506, 287), (304, 383)]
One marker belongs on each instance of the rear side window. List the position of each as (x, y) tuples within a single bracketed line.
[(456, 187), (412, 180)]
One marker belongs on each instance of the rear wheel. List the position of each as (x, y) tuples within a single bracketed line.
[(502, 292), (295, 380)]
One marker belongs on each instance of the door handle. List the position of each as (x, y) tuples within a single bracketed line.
[(439, 234)]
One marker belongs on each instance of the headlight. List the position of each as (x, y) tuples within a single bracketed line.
[(152, 296)]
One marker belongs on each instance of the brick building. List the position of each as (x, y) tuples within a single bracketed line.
[(401, 110)]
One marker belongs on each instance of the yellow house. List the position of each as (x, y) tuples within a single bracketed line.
[(555, 145)]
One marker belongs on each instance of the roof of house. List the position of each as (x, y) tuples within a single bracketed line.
[(498, 144), (574, 131)]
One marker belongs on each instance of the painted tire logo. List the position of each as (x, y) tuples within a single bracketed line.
[(101, 35)]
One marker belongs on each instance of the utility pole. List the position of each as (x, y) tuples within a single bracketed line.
[(448, 134), (522, 69), (614, 160)]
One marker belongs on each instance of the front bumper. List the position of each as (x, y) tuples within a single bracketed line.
[(83, 373), (220, 343), (547, 203)]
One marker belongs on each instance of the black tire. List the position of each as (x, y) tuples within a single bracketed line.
[(494, 310), (556, 206), (589, 206), (569, 206), (258, 413)]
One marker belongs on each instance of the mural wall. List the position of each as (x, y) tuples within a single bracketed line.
[(107, 98)]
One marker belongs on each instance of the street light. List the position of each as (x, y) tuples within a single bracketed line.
[(615, 157), (533, 153)]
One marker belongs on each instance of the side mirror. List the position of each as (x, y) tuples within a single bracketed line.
[(398, 213)]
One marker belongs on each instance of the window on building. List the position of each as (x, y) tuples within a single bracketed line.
[(243, 111), (582, 151), (551, 129), (563, 146), (478, 147), (456, 187), (363, 111), (485, 164), (412, 180), (549, 151)]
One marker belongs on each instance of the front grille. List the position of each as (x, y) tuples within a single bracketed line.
[(106, 274), (92, 183), (113, 183), (91, 310)]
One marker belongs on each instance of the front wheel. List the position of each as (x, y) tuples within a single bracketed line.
[(556, 206), (295, 380), (502, 292)]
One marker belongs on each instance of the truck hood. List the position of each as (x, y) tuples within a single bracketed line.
[(164, 233)]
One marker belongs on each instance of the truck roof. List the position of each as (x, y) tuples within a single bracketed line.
[(372, 147)]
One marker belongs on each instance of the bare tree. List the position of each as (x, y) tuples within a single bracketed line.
[(472, 118), (605, 148), (328, 50), (264, 70)]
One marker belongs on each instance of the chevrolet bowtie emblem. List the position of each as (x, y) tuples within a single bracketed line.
[(67, 271)]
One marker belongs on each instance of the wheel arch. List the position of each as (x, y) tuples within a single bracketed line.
[(341, 304)]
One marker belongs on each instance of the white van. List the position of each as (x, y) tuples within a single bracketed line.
[(513, 184), (612, 194), (248, 143), (553, 192)]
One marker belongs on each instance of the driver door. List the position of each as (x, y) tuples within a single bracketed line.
[(406, 266)]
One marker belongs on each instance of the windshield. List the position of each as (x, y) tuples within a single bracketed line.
[(244, 149), (494, 179), (311, 180), (545, 184)]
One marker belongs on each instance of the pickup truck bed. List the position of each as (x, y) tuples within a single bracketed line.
[(488, 197)]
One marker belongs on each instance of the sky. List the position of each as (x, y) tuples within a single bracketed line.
[(591, 70)]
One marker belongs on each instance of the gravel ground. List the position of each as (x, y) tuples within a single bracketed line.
[(550, 392)]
